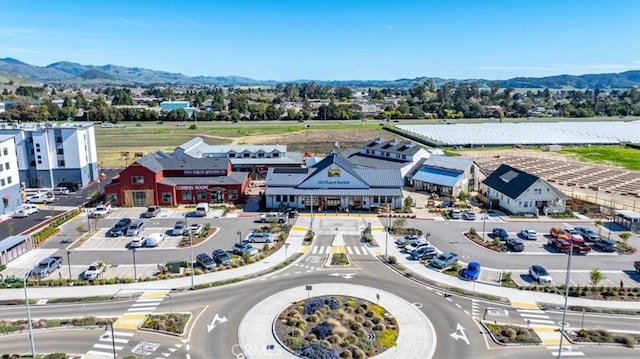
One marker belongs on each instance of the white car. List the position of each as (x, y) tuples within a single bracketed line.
[(529, 234), (25, 211), (58, 191), (261, 237), (93, 271), (540, 275), (409, 248), (196, 229), (455, 214), (41, 198), (407, 238), (469, 215), (153, 239), (137, 242)]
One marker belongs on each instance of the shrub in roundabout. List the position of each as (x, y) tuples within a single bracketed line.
[(328, 327)]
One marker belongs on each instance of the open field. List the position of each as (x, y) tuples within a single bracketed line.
[(626, 157)]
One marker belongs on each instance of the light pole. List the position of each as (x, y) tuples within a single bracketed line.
[(191, 255), (170, 305), (311, 211), (26, 300), (88, 219), (239, 233), (386, 235), (566, 298), (484, 224), (113, 340), (69, 264), (135, 273)]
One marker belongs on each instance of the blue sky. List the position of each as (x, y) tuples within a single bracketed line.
[(329, 40)]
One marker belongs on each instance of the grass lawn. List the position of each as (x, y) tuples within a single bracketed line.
[(626, 157)]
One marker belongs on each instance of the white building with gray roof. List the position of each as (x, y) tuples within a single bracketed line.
[(379, 153), (333, 184), (445, 176), (254, 159)]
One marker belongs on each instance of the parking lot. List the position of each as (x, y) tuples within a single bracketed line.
[(100, 240), (629, 278)]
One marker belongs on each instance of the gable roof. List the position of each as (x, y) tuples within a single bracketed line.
[(449, 163), (363, 160), (393, 146), (510, 181), (335, 158), (159, 161)]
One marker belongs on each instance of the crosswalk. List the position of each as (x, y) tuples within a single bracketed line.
[(326, 249), (548, 331), (124, 328)]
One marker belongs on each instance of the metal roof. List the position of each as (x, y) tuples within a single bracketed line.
[(628, 214), (363, 160), (393, 146), (11, 242), (437, 176), (233, 178), (447, 162), (396, 192)]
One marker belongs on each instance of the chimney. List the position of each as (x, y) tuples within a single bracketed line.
[(393, 142)]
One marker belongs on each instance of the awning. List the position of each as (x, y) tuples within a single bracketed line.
[(6, 197)]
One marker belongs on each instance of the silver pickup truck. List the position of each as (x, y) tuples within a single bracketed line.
[(45, 267)]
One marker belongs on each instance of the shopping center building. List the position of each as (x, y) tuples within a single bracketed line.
[(333, 184)]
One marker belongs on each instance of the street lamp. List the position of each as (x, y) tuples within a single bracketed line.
[(239, 233), (386, 235), (566, 298), (69, 264), (311, 226), (26, 300), (135, 273), (113, 340), (191, 254), (170, 305)]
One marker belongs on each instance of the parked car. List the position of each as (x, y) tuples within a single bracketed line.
[(406, 238), (153, 239), (202, 209), (425, 252), (409, 248), (179, 228), (120, 228), (587, 233), (221, 257), (500, 233), (101, 210), (137, 242), (241, 248), (135, 228), (25, 211), (559, 244), (273, 217), (472, 272), (205, 261), (515, 245), (261, 237), (445, 260), (42, 197), (94, 270), (196, 229), (46, 267), (606, 245), (61, 191), (540, 275), (528, 234), (151, 212), (455, 214), (469, 215)]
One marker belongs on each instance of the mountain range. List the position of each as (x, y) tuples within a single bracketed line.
[(70, 72)]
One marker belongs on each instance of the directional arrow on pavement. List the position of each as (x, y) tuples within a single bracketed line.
[(462, 335), (215, 321), (343, 275)]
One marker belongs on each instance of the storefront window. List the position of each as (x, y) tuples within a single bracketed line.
[(278, 198), (202, 195), (187, 196), (166, 197), (233, 194)]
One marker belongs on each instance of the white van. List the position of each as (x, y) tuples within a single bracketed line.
[(202, 209), (153, 239)]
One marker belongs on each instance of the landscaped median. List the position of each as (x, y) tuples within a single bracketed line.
[(510, 334)]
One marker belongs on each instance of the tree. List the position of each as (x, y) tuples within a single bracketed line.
[(596, 277), (272, 113)]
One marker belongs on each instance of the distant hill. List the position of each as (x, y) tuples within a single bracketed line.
[(70, 72)]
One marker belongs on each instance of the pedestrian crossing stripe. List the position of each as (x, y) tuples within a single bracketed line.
[(154, 294), (549, 335), (299, 228), (524, 305), (377, 229), (129, 321), (337, 250), (304, 249)]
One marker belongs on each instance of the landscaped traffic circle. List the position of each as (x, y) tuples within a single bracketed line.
[(336, 327)]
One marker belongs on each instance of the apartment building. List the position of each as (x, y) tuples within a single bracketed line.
[(48, 154), (9, 177)]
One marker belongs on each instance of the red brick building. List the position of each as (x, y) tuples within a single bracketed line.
[(158, 179)]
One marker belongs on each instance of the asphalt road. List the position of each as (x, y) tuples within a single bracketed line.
[(233, 301)]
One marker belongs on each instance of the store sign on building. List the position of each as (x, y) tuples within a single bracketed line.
[(203, 172), (191, 188), (333, 172)]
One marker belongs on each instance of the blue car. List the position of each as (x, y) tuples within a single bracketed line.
[(472, 272)]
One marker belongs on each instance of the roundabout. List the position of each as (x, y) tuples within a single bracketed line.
[(256, 335)]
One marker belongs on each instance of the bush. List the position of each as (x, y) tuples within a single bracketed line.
[(317, 351), (322, 330)]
